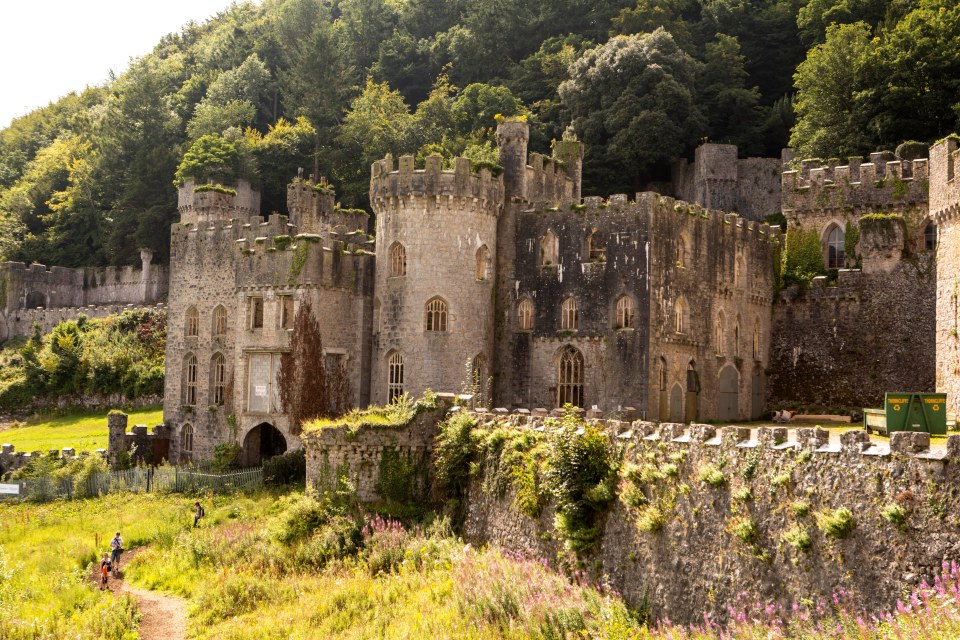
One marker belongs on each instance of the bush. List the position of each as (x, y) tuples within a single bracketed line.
[(301, 516), (340, 538), (895, 515), (651, 519), (800, 508), (797, 537), (745, 530), (226, 455), (452, 453), (289, 468), (711, 475), (836, 524)]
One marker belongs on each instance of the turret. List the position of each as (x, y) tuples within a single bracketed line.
[(569, 152), (216, 203), (512, 140)]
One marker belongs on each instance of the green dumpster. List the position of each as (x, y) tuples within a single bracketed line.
[(925, 412)]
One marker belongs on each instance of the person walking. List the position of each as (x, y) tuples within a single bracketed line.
[(198, 515), (104, 571), (116, 548)]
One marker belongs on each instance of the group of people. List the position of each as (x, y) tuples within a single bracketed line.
[(111, 560)]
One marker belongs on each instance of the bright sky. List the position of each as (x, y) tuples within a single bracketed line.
[(49, 48)]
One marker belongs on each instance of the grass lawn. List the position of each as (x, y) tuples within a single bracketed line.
[(84, 431)]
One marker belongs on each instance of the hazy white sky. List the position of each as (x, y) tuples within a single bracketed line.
[(49, 48)]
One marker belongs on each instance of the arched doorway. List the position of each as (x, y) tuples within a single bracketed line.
[(692, 408), (36, 299), (262, 442), (676, 403), (729, 399)]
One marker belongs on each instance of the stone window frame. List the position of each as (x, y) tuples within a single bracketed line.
[(525, 314), (398, 260), (596, 248), (569, 314), (377, 316), (186, 442), (285, 311), (479, 373), (190, 377), (736, 338), (549, 255), (219, 325), (681, 316), (625, 310), (482, 272), (191, 322), (571, 374), (718, 334), (834, 247), (436, 313), (395, 382), (255, 320), (756, 340), (930, 236), (662, 374), (218, 379)]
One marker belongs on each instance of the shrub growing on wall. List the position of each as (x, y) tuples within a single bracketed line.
[(802, 257)]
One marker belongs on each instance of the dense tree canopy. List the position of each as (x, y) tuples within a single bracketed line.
[(330, 85)]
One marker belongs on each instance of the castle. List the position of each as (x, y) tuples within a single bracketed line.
[(515, 287)]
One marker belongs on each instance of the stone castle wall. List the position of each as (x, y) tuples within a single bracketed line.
[(777, 480), (34, 293), (945, 211)]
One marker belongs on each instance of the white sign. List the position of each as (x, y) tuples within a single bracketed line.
[(10, 489), (260, 390)]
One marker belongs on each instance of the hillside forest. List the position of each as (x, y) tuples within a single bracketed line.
[(263, 90)]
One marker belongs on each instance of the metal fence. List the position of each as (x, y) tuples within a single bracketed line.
[(137, 480)]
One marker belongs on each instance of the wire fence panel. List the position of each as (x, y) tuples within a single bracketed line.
[(139, 480)]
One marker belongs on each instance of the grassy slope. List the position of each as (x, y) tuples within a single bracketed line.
[(84, 431)]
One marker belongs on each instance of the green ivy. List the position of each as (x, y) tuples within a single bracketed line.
[(802, 257)]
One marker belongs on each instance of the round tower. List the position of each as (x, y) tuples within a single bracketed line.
[(436, 254), (205, 203)]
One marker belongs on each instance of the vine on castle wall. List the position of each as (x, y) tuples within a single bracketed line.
[(802, 257)]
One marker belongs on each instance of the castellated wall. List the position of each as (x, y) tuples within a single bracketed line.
[(34, 293), (442, 221), (818, 195), (238, 264), (718, 179), (945, 211), (208, 206), (779, 480)]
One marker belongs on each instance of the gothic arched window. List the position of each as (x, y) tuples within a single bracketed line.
[(569, 315), (191, 322), (394, 376), (398, 260), (436, 315), (570, 377), (218, 378), (190, 380), (836, 253), (525, 315)]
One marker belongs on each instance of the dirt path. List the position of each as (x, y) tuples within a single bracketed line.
[(162, 617)]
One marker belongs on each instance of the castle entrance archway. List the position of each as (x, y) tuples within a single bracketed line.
[(676, 403), (262, 442), (729, 394)]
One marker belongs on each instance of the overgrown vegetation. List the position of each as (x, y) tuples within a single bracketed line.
[(837, 523), (396, 414), (115, 358)]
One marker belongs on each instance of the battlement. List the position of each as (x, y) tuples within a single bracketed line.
[(313, 209), (546, 181), (206, 206), (944, 186), (646, 201), (388, 184), (855, 187)]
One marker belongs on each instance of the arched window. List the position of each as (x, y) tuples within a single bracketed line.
[(394, 376), (736, 339), (596, 246), (479, 373), (190, 380), (625, 312), (569, 315), (219, 321), (398, 260), (549, 249), (483, 263), (525, 315), (930, 237), (436, 315), (191, 322), (681, 317), (186, 442), (756, 340), (681, 251), (718, 332), (570, 378), (218, 378), (835, 248), (662, 374)]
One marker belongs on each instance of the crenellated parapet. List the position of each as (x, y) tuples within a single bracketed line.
[(547, 181), (457, 189), (944, 186), (197, 205), (857, 187)]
